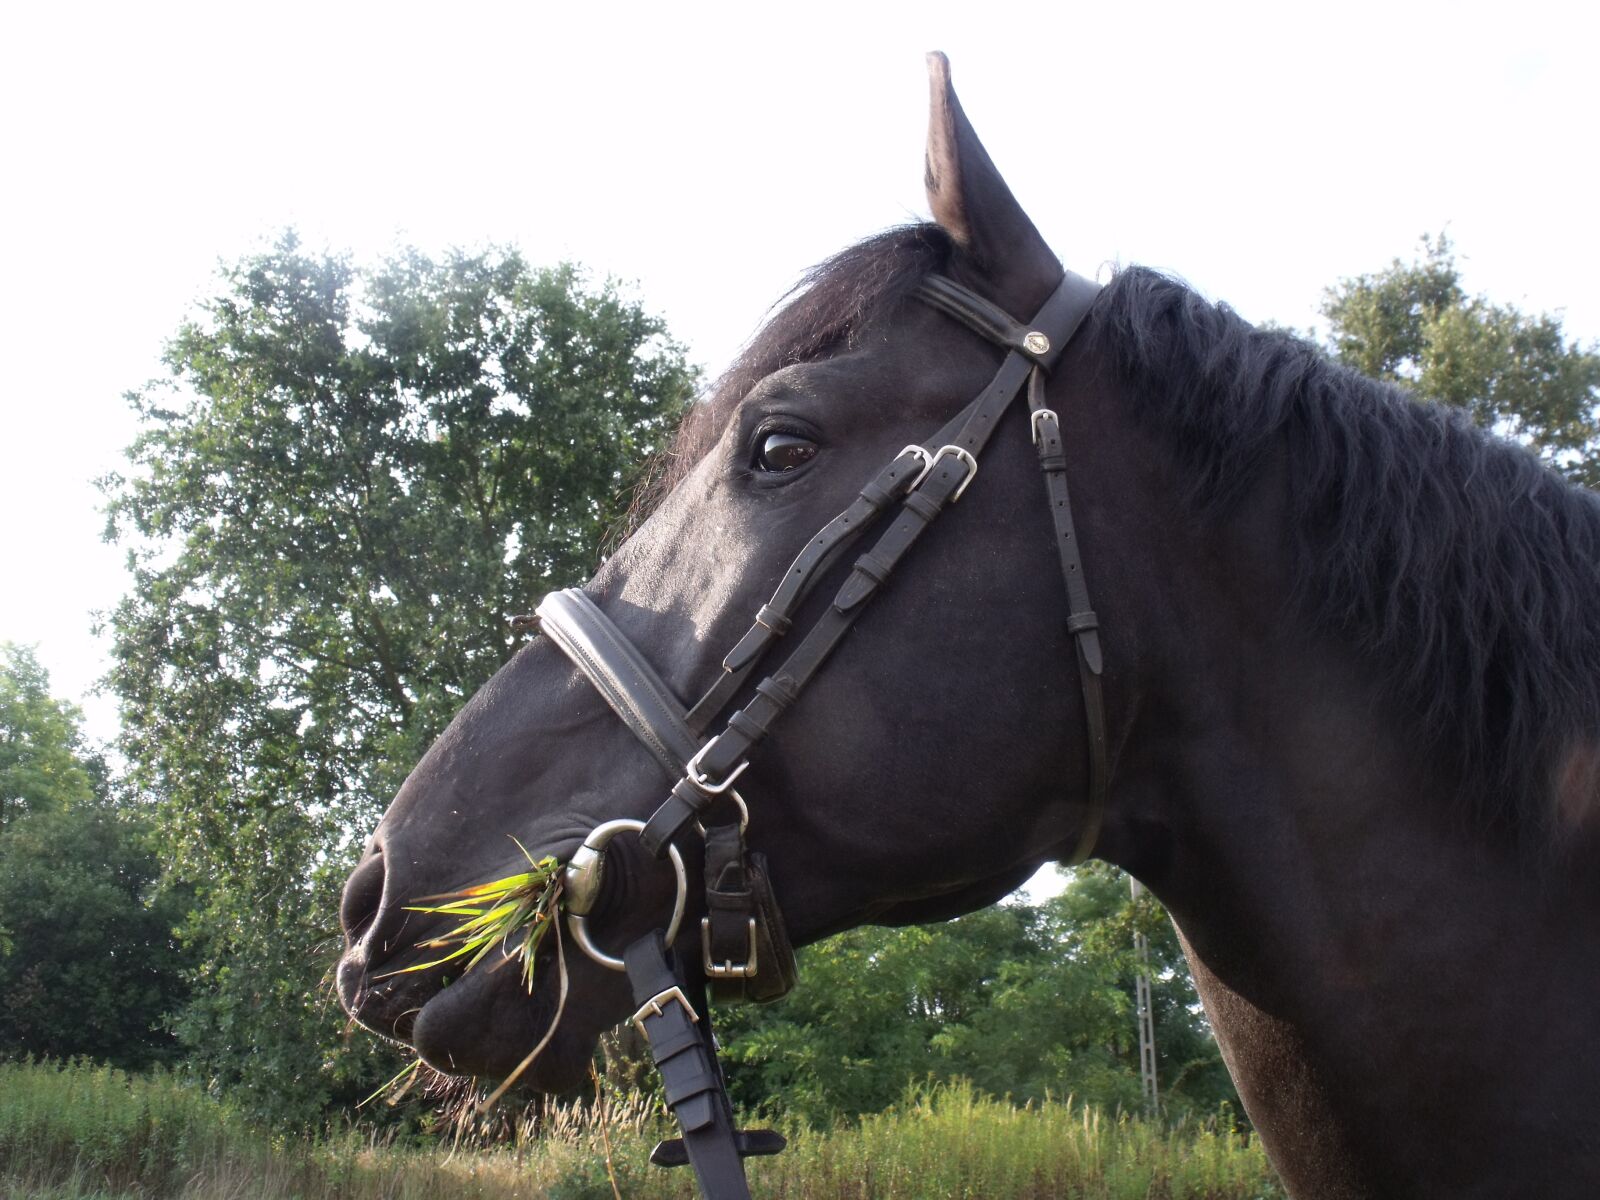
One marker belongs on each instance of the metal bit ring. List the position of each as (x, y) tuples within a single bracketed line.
[(582, 878)]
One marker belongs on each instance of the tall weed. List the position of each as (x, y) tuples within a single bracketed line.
[(81, 1132)]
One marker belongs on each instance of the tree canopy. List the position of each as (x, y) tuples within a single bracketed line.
[(349, 479), (88, 963), (1023, 1000), (44, 766), (1517, 373)]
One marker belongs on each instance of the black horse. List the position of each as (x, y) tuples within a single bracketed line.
[(1352, 692)]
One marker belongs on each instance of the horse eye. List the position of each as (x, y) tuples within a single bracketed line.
[(784, 452)]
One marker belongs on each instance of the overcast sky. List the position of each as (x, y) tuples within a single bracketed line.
[(708, 154)]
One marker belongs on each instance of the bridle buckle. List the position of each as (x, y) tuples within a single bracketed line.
[(924, 457), (727, 969), (652, 1008), (703, 781), (1034, 418), (958, 453)]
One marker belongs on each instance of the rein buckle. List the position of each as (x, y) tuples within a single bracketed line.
[(1039, 414), (921, 456), (652, 1008)]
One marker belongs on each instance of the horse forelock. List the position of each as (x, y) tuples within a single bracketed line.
[(1465, 570)]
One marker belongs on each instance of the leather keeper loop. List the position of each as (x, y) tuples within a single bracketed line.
[(874, 568), (779, 689), (747, 727), (923, 505), (770, 618), (1079, 622)]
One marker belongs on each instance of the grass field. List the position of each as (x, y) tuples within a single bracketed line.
[(74, 1132)]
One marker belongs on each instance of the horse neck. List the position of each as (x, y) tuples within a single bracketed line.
[(1403, 1000)]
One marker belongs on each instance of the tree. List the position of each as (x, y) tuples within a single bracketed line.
[(88, 963), (1023, 1000), (43, 764), (349, 480), (1517, 374)]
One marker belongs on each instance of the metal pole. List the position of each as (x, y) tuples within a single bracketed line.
[(1144, 1012)]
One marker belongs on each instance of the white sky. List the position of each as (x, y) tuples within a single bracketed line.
[(709, 154)]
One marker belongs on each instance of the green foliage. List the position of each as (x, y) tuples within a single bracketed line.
[(88, 964), (92, 966), (75, 1132), (1515, 373), (1023, 1001), (44, 766), (350, 479)]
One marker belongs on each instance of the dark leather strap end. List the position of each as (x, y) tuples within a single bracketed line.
[(751, 1143), (749, 648), (1089, 647)]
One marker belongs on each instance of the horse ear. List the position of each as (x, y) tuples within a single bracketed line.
[(972, 203)]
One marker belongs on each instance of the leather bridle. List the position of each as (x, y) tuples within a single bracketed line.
[(745, 950)]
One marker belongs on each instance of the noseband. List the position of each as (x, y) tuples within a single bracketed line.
[(745, 951)]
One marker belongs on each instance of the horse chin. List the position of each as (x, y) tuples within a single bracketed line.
[(485, 1025)]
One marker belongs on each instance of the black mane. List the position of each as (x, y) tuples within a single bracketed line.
[(1456, 560)]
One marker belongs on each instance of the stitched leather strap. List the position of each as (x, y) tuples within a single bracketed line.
[(690, 1078), (1057, 320), (1082, 623), (774, 618), (621, 675)]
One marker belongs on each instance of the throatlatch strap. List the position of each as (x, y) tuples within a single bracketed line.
[(1082, 623), (680, 1045)]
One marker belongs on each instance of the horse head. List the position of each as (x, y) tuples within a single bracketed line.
[(933, 764), (1344, 643)]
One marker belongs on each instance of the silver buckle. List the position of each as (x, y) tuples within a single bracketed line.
[(1033, 421), (703, 781), (953, 452), (927, 464), (652, 1008), (727, 970)]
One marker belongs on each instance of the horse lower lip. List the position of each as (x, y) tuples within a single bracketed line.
[(485, 1030)]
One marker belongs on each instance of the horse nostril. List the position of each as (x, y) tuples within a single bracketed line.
[(363, 896)]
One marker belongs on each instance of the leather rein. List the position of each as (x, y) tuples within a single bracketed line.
[(745, 949)]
